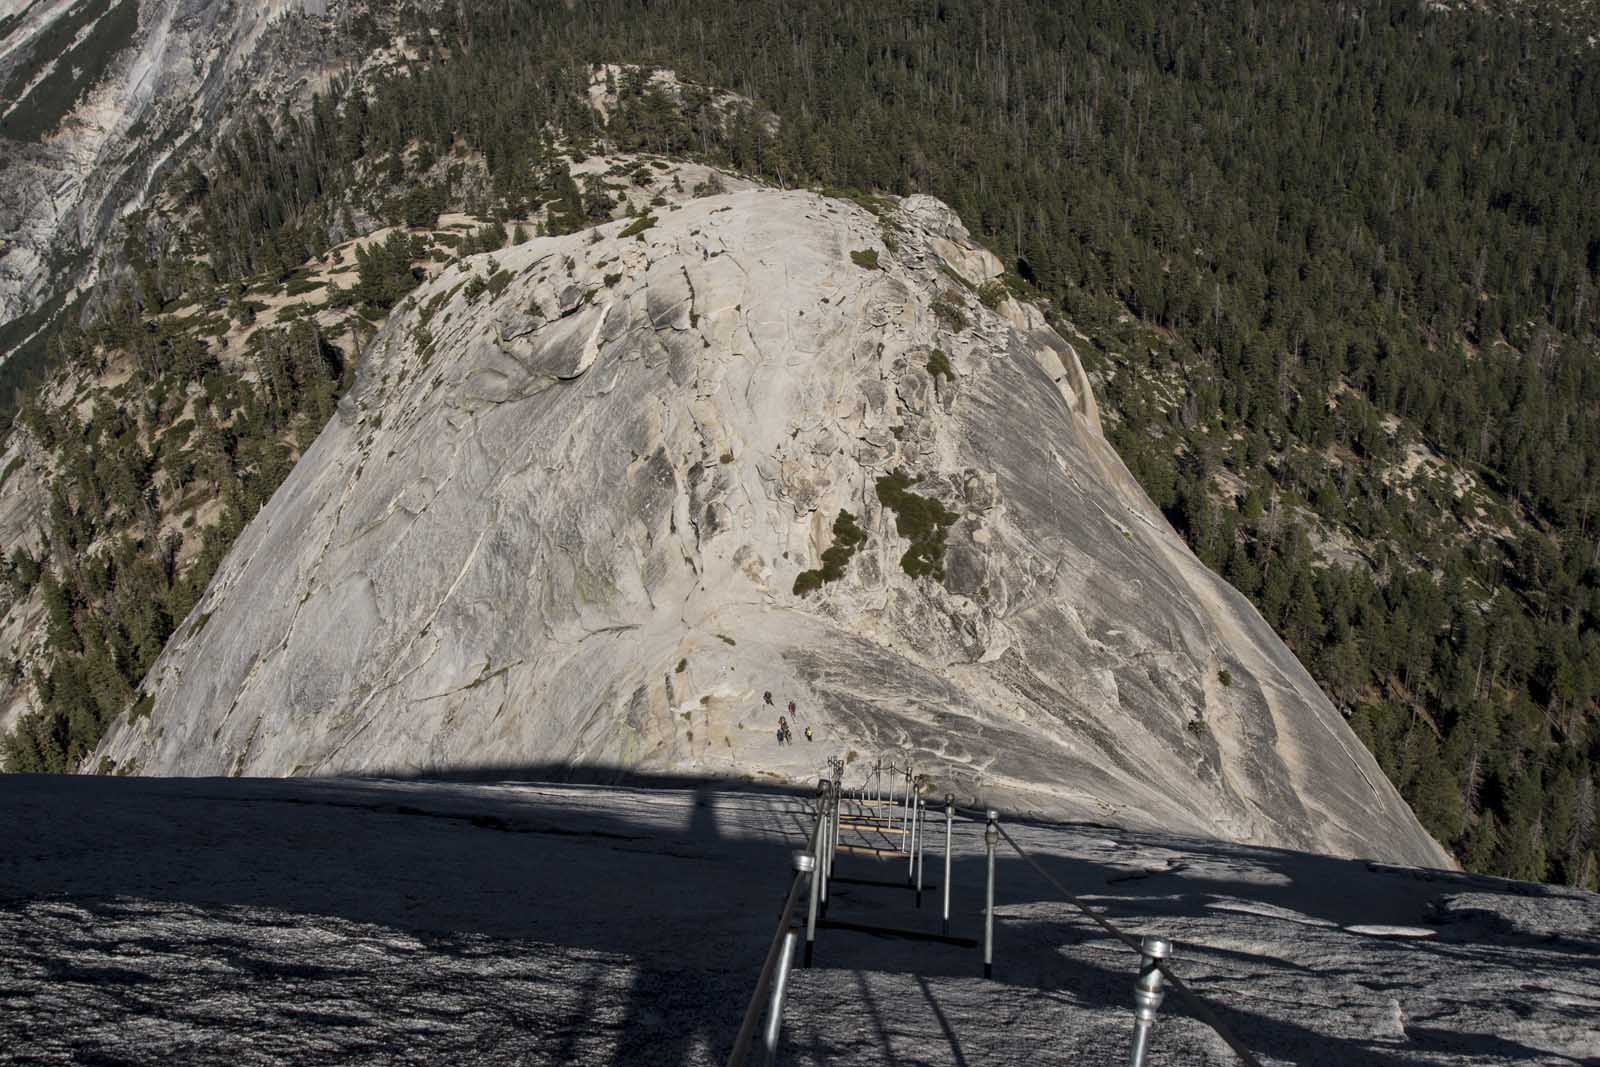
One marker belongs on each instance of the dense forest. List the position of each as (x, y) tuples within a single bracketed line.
[(1309, 240)]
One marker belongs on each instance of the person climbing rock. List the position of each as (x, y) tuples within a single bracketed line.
[(767, 696), (791, 707), (783, 730), (780, 735), (808, 734)]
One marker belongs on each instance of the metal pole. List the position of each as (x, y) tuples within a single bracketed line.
[(833, 832), (825, 850), (816, 884), (1147, 995), (922, 843), (833, 841), (780, 988), (905, 813), (911, 845), (949, 818), (891, 802), (899, 816), (991, 837)]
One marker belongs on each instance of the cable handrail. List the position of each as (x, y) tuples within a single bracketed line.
[(1202, 1009), (813, 871), (752, 1013), (780, 950)]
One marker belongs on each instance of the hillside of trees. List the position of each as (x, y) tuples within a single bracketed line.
[(1310, 241)]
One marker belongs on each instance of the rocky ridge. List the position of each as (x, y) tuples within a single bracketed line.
[(560, 518)]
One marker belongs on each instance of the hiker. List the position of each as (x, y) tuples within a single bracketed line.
[(808, 733), (767, 696), (780, 735), (791, 707)]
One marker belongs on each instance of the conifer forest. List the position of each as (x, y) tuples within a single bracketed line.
[(1334, 268)]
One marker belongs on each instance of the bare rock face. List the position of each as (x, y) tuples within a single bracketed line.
[(97, 99), (560, 518)]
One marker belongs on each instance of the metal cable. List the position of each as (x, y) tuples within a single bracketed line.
[(1201, 1008), (752, 1014)]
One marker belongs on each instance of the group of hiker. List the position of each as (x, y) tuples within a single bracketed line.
[(785, 735)]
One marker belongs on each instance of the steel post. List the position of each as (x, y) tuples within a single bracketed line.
[(911, 845), (897, 818), (922, 843), (838, 794), (813, 890), (1147, 995), (991, 837), (825, 852), (905, 814), (949, 819)]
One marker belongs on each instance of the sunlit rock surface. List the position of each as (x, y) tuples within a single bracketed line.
[(559, 519)]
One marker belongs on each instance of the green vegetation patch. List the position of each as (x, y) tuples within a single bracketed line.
[(876, 203), (939, 365), (948, 310), (922, 520), (866, 258), (637, 227), (847, 539), (429, 309), (142, 708)]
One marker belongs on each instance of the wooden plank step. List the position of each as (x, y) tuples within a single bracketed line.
[(885, 882), (890, 931), (866, 850)]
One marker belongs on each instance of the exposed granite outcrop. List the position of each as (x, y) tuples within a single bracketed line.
[(559, 522)]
